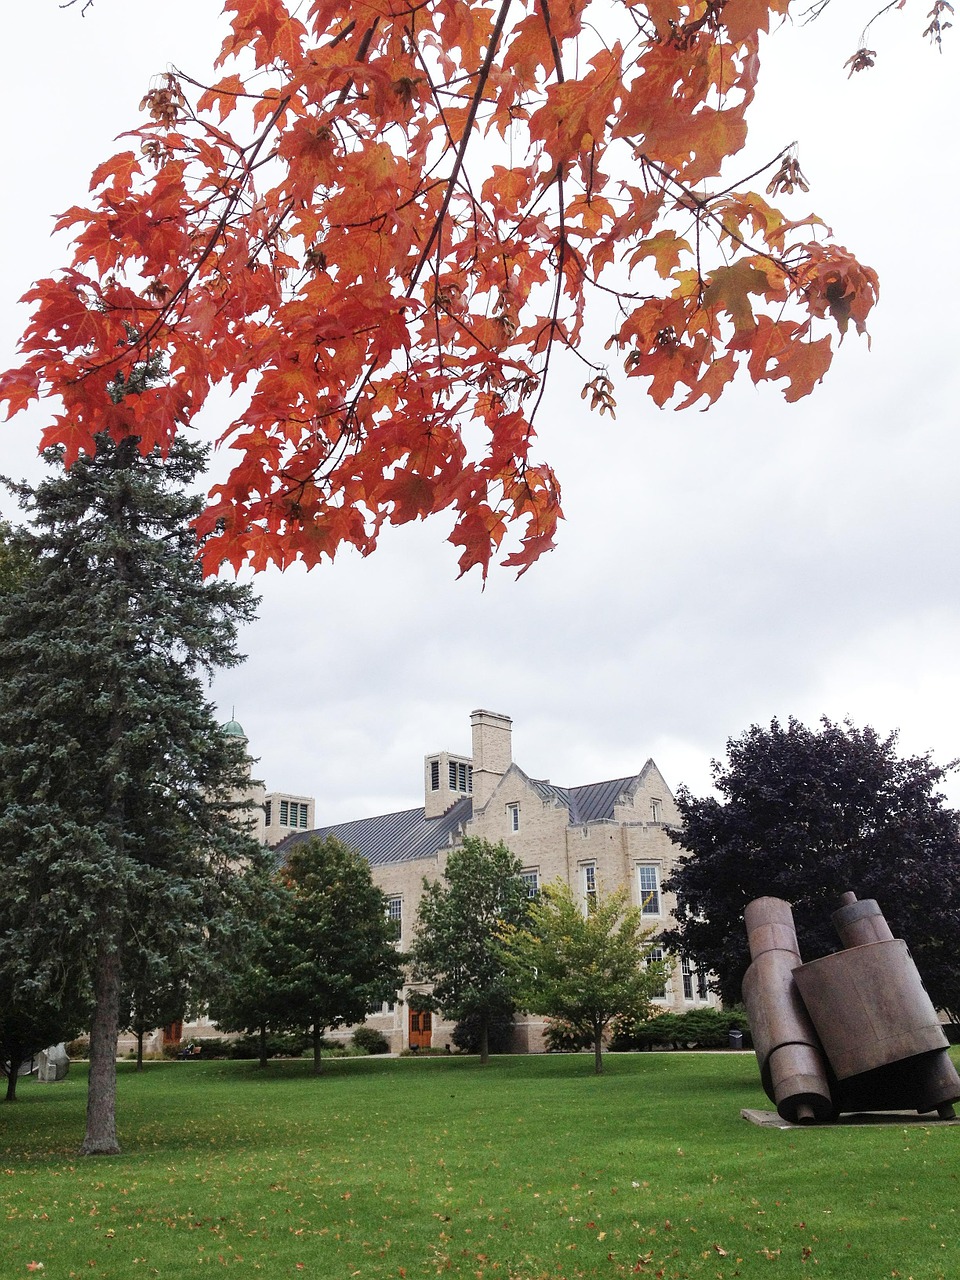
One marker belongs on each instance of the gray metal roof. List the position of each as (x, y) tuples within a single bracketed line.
[(591, 803), (407, 835), (393, 837), (594, 802)]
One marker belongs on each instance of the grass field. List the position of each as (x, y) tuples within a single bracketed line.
[(529, 1169)]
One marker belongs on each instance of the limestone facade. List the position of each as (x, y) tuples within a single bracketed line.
[(597, 837)]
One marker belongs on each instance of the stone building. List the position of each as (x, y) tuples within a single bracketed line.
[(599, 836), (274, 815)]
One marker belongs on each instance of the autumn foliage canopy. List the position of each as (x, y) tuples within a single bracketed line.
[(383, 223)]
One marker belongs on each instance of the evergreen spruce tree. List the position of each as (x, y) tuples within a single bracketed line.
[(118, 822)]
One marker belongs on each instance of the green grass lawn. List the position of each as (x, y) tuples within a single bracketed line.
[(529, 1169)]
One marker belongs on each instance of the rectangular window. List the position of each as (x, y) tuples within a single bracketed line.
[(434, 775), (268, 812), (303, 816), (654, 957), (395, 917), (590, 886), (284, 813), (532, 880), (656, 809), (694, 980), (686, 972), (513, 817), (648, 881)]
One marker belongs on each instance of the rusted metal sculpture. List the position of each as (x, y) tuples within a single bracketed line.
[(853, 1031)]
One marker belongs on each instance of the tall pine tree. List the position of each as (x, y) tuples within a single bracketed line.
[(118, 821)]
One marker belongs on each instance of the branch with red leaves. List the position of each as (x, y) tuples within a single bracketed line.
[(378, 231)]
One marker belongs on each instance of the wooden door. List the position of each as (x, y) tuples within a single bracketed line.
[(421, 1028)]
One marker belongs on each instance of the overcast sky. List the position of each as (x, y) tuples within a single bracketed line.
[(714, 570)]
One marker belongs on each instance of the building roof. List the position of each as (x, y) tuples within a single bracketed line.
[(394, 837), (408, 835), (594, 802)]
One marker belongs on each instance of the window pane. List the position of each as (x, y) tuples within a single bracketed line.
[(649, 880), (656, 955)]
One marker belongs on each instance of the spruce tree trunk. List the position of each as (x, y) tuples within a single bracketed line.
[(484, 1041), (101, 1137), (12, 1081), (317, 1047), (263, 1046), (140, 1049)]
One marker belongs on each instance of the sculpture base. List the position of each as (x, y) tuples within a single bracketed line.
[(770, 1119)]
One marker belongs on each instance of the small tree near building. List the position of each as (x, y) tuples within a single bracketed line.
[(333, 952), (246, 988), (585, 967), (458, 945)]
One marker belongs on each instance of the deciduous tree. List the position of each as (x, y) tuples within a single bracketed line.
[(384, 225), (247, 987), (458, 946), (332, 951), (117, 817), (585, 966), (806, 814)]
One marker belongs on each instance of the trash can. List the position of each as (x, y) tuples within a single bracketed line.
[(736, 1039)]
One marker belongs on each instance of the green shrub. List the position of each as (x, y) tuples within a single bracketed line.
[(563, 1037), (370, 1040), (292, 1045), (466, 1034), (703, 1028), (79, 1048), (214, 1047)]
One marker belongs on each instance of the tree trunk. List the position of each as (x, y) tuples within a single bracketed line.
[(140, 1049), (12, 1081), (484, 1041), (317, 1046), (101, 1137), (262, 1063), (598, 1050)]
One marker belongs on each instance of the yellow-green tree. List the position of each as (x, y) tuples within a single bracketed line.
[(586, 966)]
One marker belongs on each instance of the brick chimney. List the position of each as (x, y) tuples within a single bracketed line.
[(492, 753)]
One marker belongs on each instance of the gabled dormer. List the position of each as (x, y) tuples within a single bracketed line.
[(647, 799)]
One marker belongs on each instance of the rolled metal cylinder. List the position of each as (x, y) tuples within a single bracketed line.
[(791, 1063), (860, 922), (875, 1020)]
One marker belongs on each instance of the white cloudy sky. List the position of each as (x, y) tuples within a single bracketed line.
[(714, 570)]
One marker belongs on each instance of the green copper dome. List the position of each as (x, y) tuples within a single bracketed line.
[(233, 729)]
